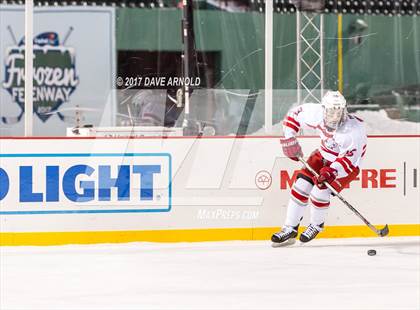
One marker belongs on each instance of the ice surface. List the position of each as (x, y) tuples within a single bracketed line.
[(324, 274)]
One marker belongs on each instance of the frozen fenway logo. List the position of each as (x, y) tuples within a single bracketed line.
[(55, 77)]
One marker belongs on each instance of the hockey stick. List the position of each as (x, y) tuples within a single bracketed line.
[(381, 233), (10, 120)]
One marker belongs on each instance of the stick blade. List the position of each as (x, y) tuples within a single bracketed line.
[(10, 120), (384, 231)]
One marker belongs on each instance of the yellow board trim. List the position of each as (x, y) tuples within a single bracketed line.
[(340, 52), (186, 235)]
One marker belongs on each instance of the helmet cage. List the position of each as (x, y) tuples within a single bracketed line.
[(335, 112), (334, 117)]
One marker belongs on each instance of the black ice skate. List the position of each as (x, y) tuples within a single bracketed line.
[(311, 232), (286, 236)]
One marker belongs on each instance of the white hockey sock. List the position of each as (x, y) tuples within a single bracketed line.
[(299, 196), (320, 200), (318, 215), (294, 213)]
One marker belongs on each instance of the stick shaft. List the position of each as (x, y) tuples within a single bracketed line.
[(332, 189), (67, 35), (12, 35)]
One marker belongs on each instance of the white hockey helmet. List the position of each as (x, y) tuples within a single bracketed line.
[(335, 109)]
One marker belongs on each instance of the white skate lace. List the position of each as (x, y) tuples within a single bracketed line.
[(285, 230), (312, 230)]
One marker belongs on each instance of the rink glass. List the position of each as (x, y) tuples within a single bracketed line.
[(124, 69)]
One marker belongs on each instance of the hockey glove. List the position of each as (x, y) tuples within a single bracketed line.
[(326, 174), (291, 148)]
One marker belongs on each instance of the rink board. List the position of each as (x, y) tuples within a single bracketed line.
[(83, 190)]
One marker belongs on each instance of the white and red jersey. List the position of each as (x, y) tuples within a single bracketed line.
[(344, 147)]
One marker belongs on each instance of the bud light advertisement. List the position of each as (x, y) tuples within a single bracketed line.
[(85, 183)]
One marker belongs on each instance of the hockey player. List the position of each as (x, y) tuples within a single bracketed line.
[(337, 161)]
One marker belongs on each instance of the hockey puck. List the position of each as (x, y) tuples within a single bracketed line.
[(371, 252)]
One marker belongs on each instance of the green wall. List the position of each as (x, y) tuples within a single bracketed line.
[(238, 37), (387, 57)]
